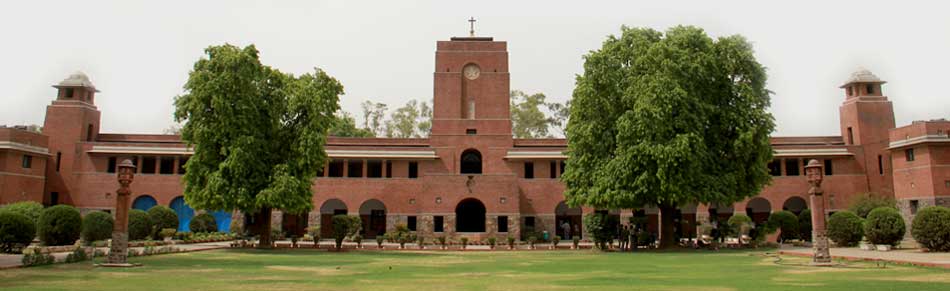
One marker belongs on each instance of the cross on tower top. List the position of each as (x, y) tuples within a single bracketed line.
[(471, 31)]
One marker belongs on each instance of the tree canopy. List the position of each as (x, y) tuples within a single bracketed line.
[(258, 134), (667, 119)]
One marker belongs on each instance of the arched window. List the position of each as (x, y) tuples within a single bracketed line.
[(471, 162), (470, 216)]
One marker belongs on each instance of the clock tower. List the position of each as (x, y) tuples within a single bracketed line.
[(471, 101)]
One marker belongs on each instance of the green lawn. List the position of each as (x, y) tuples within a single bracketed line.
[(499, 270)]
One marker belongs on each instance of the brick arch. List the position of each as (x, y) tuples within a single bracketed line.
[(758, 209), (329, 208), (568, 221), (373, 215), (795, 204), (470, 215), (471, 162)]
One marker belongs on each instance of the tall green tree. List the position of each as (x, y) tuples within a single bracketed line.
[(404, 121), (668, 119), (258, 134), (560, 112), (528, 120), (374, 117), (344, 125)]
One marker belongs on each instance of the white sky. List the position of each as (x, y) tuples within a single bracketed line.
[(139, 53)]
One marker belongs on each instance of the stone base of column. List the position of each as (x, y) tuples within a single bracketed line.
[(822, 255), (118, 251)]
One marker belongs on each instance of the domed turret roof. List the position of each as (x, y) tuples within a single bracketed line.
[(863, 76), (77, 79)]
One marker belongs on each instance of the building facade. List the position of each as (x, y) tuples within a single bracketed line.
[(469, 177)]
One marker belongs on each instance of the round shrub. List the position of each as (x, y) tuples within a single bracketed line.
[(203, 223), (139, 225), (884, 226), (737, 222), (931, 228), (845, 228), (16, 231), (786, 222), (31, 209), (59, 225), (862, 205), (96, 226), (161, 217), (804, 225)]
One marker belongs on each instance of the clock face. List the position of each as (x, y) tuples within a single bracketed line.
[(471, 72)]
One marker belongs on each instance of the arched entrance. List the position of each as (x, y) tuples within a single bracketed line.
[(144, 202), (758, 209), (720, 212), (223, 219), (294, 224), (327, 211), (795, 204), (185, 213), (568, 219), (470, 216), (471, 162), (373, 215), (684, 223)]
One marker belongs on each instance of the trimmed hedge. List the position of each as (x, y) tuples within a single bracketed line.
[(16, 231), (31, 209), (59, 225), (845, 228), (203, 223), (96, 226), (785, 221), (804, 225), (139, 225), (884, 226), (162, 217), (931, 228), (737, 221)]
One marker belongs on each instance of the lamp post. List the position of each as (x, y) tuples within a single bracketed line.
[(814, 174), (120, 232)]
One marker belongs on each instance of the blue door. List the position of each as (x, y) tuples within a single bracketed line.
[(185, 213), (143, 202), (223, 218)]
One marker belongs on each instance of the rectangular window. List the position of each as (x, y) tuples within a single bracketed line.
[(53, 198), (503, 224), (909, 153), (850, 136), (553, 168), (528, 170), (335, 169), (148, 165), (110, 166), (563, 166), (471, 131), (880, 165), (27, 162), (914, 204), (413, 170), (69, 93), (828, 169), (374, 169), (775, 167), (59, 158), (411, 223), (437, 223), (389, 169), (182, 161), (166, 165), (355, 169), (791, 167), (870, 89)]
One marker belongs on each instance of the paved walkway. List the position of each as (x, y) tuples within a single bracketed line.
[(902, 256), (14, 261)]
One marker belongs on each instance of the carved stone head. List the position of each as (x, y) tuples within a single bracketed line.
[(813, 172)]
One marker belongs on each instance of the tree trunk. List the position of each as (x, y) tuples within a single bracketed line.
[(666, 226), (265, 241)]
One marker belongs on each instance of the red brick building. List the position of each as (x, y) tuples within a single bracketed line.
[(469, 177)]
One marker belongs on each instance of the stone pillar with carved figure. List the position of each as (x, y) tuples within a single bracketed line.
[(822, 254), (118, 251)]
